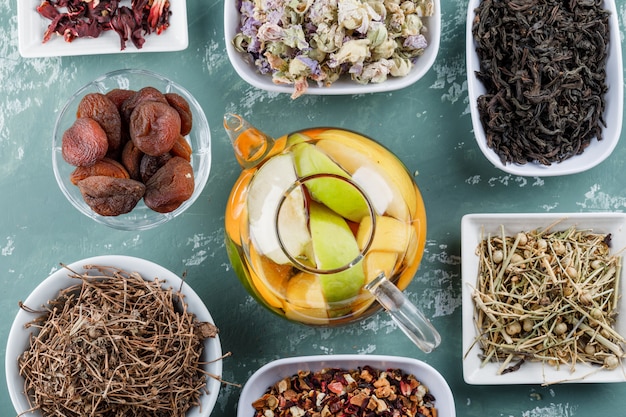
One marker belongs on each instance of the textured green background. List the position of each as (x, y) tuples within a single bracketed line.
[(428, 125)]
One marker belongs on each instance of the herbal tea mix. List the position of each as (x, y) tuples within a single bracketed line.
[(542, 63), (115, 344), (347, 392), (548, 296)]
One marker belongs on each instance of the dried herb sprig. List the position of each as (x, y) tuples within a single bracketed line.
[(548, 296), (115, 345)]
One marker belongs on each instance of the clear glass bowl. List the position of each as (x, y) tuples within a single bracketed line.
[(141, 217)]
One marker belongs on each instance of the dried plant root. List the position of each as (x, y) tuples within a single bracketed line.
[(115, 344)]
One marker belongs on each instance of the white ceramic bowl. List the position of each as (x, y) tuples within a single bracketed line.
[(141, 217), (251, 75), (273, 372), (474, 228), (18, 340), (597, 151)]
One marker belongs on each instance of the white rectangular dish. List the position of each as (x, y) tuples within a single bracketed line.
[(31, 27), (273, 372), (474, 228)]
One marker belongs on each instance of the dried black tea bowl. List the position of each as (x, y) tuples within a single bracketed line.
[(597, 150), (48, 290), (273, 372), (141, 217)]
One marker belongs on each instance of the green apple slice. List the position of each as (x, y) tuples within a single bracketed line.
[(334, 246), (266, 190), (338, 195), (378, 174), (296, 138)]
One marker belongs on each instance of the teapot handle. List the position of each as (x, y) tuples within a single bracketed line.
[(408, 317)]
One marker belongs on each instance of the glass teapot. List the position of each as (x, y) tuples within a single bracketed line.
[(324, 225)]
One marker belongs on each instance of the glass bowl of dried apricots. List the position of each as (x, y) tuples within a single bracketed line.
[(131, 149)]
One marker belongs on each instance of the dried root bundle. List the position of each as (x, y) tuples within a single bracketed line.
[(548, 296), (115, 345)]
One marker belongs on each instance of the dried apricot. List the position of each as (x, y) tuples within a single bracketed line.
[(144, 94), (170, 186), (119, 95), (84, 143), (182, 148), (109, 196), (105, 166), (131, 159), (154, 127), (151, 164), (180, 104), (100, 108)]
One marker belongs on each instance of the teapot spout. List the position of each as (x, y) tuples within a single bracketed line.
[(251, 146)]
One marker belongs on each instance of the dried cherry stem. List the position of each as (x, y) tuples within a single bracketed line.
[(548, 296)]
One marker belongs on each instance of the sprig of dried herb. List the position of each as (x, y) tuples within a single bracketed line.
[(548, 296), (543, 65), (115, 345)]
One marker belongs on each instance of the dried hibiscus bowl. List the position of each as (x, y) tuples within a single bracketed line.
[(341, 382), (192, 150), (100, 326)]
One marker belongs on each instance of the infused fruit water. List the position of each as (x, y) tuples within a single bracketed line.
[(349, 210)]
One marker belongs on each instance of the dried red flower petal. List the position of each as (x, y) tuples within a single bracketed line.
[(90, 19)]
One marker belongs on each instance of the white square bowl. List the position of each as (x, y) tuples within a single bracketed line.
[(597, 151), (476, 227), (249, 73), (271, 373)]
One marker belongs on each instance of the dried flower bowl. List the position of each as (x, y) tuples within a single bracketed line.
[(273, 372), (18, 340), (249, 73), (141, 217), (597, 151), (31, 27), (475, 228)]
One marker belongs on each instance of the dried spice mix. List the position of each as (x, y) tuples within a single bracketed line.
[(333, 392), (542, 63)]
